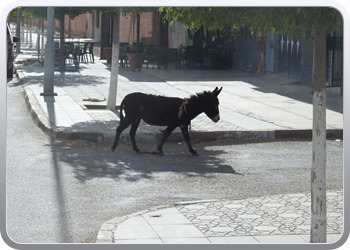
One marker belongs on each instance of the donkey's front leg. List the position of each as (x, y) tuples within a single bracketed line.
[(164, 137), (184, 129)]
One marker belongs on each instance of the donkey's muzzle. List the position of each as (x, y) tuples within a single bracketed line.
[(216, 118)]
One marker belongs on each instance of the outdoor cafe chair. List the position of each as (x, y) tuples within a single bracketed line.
[(69, 50), (91, 52), (73, 56), (172, 56), (153, 56), (123, 59), (83, 52)]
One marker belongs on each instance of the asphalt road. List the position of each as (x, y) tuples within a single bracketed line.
[(63, 191)]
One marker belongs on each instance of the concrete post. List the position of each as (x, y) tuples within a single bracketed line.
[(318, 232), (49, 63)]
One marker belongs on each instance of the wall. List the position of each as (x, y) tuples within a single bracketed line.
[(177, 35), (80, 26), (149, 28)]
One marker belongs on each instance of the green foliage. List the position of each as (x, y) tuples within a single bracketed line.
[(125, 10), (41, 12), (294, 21)]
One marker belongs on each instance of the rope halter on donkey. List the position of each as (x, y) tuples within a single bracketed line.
[(182, 108)]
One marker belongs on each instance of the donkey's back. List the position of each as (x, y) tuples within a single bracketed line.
[(154, 110)]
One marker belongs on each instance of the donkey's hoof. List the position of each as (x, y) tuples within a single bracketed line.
[(195, 153), (138, 152), (112, 148), (157, 152)]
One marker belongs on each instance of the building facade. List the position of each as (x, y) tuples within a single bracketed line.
[(271, 53)]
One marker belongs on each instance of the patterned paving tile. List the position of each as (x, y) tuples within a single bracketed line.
[(273, 215)]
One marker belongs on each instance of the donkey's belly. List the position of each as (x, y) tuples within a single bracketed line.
[(157, 121)]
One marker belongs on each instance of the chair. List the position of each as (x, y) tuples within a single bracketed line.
[(141, 47), (69, 50), (122, 53), (172, 55), (83, 53), (207, 59), (198, 57), (57, 52), (74, 56), (182, 55), (153, 56), (189, 55), (91, 52)]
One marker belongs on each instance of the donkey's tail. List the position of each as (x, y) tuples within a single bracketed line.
[(121, 111)]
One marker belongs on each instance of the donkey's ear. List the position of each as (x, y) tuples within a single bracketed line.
[(217, 91)]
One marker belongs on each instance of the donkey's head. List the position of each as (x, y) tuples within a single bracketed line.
[(211, 105)]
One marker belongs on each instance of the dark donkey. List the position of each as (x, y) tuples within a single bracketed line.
[(165, 111)]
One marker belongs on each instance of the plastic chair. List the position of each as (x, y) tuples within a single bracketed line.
[(152, 56), (123, 50), (69, 50), (172, 56), (74, 56), (83, 53), (91, 52)]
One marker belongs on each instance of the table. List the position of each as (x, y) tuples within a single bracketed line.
[(76, 40)]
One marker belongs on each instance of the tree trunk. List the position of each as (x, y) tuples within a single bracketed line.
[(318, 172), (62, 49), (42, 39), (112, 94), (18, 31), (49, 63)]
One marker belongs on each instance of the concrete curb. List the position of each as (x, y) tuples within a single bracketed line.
[(41, 120), (20, 75), (107, 229)]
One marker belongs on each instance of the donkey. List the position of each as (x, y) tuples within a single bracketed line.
[(165, 111)]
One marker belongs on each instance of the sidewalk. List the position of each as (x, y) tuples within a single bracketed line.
[(251, 108), (278, 219)]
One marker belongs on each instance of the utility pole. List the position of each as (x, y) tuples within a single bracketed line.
[(318, 172), (49, 62)]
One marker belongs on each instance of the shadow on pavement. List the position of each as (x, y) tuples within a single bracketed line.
[(92, 161)]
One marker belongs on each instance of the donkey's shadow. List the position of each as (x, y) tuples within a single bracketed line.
[(124, 164)]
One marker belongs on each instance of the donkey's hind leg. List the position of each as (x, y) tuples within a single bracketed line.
[(123, 125), (132, 134)]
